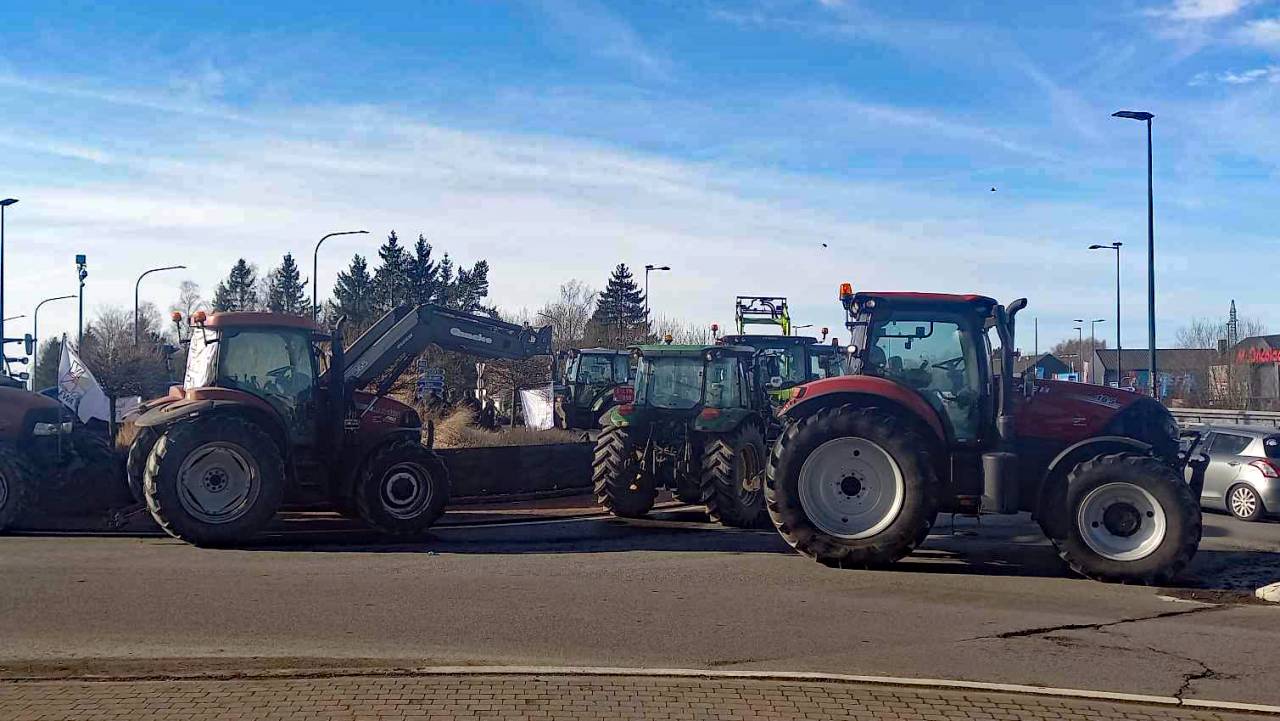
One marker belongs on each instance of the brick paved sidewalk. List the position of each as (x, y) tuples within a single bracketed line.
[(536, 697)]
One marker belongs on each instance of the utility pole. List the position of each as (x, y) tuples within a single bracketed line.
[(81, 273), (1151, 253), (35, 336)]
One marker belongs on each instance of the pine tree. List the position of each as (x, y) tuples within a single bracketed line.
[(286, 290), (423, 273), (620, 307), (239, 291), (392, 281), (444, 282), (354, 294), (471, 287)]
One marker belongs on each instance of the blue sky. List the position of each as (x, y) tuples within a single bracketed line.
[(727, 139)]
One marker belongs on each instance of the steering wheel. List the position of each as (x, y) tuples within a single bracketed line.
[(950, 365)]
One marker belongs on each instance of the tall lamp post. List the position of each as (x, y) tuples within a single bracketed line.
[(647, 270), (35, 335), (1079, 345), (3, 204), (1151, 252), (1119, 364), (1093, 345), (136, 285), (315, 264), (82, 272)]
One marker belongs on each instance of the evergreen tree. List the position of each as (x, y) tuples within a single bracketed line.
[(620, 308), (471, 287), (393, 279), (423, 273), (354, 294), (239, 291), (49, 355), (286, 290), (444, 282)]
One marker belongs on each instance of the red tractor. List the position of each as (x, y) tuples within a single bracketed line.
[(266, 418), (925, 425)]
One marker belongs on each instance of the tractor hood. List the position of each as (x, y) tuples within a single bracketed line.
[(1066, 411)]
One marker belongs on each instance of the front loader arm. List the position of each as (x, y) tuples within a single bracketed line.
[(405, 332)]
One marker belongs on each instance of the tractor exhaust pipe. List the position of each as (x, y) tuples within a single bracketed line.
[(1000, 492)]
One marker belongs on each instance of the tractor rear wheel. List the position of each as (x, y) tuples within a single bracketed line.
[(852, 487), (136, 464), (732, 477), (214, 481), (16, 478), (1132, 520), (620, 485), (403, 489)]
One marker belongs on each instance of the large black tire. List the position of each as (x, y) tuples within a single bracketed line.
[(136, 463), (892, 529), (732, 478), (1113, 534), (218, 455), (620, 486), (16, 478), (403, 489)]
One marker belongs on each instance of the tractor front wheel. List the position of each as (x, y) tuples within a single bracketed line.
[(403, 489), (1132, 520), (16, 477), (852, 487), (732, 477), (620, 485), (214, 481), (136, 464)]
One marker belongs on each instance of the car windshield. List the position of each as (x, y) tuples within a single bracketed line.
[(1271, 444)]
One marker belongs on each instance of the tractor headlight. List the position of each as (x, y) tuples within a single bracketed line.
[(51, 429)]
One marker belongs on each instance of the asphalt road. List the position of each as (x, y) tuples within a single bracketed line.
[(988, 602)]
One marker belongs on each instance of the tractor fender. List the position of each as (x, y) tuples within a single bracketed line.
[(861, 390), (266, 417), (1051, 495)]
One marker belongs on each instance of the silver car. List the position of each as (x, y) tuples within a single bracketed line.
[(1241, 470)]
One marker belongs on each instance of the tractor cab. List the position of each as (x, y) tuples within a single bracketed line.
[(585, 387), (687, 378)]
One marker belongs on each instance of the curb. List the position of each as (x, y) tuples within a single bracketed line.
[(685, 673)]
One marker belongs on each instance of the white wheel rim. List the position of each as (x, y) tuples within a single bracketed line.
[(851, 488), (1121, 522), (405, 490), (1244, 502), (218, 483)]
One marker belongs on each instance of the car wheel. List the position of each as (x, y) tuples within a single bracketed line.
[(1244, 503)]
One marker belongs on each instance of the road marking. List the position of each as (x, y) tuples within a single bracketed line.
[(793, 676)]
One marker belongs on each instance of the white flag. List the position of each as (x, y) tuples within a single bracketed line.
[(78, 389), (539, 410)]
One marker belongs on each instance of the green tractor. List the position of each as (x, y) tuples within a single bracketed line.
[(693, 422), (783, 362), (585, 383)]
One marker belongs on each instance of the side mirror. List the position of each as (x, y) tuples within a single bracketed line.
[(29, 344), (23, 376), (775, 382)]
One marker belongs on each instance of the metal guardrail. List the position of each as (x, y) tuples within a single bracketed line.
[(1220, 416)]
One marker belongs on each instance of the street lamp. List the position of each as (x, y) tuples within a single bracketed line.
[(315, 264), (82, 272), (1093, 345), (1079, 345), (1151, 251), (15, 317), (35, 335), (3, 204), (1116, 247), (647, 270), (145, 273)]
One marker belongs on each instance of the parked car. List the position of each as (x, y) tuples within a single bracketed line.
[(1241, 470)]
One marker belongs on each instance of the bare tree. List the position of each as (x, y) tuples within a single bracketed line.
[(121, 367), (1206, 332), (681, 331), (569, 313), (189, 299)]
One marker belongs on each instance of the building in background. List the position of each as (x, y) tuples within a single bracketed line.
[(1248, 375), (1185, 374)]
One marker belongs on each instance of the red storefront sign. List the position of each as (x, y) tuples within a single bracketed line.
[(1258, 355)]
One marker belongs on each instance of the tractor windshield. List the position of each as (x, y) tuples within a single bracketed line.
[(202, 349), (682, 382), (825, 362), (598, 369), (787, 364), (273, 364)]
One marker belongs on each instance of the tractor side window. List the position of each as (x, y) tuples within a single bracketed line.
[(937, 359), (270, 364), (621, 368), (723, 384), (595, 369)]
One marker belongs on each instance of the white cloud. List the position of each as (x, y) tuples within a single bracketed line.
[(1268, 74), (1201, 10), (1263, 32), (603, 33)]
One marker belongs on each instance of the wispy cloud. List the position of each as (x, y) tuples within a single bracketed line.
[(604, 34), (1268, 74), (1200, 10), (1263, 32)]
